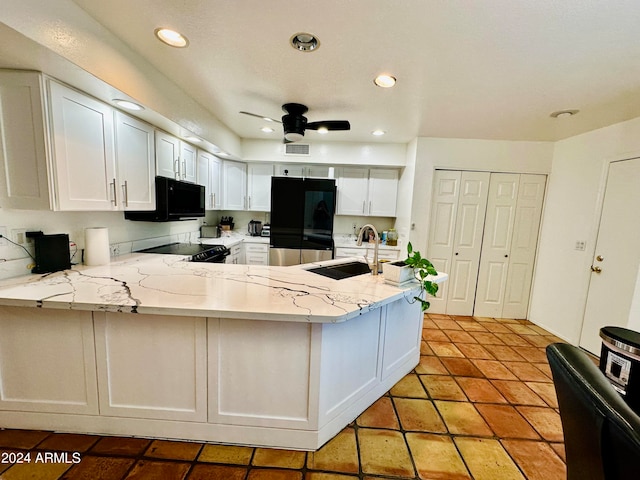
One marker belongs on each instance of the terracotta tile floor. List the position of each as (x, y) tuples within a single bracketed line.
[(480, 405)]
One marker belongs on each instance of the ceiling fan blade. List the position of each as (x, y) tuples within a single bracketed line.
[(330, 125), (268, 119)]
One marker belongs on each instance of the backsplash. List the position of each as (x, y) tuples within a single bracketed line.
[(124, 235)]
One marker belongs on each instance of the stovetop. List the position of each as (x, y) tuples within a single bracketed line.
[(179, 249)]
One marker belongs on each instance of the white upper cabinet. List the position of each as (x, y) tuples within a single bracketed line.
[(23, 155), (367, 192), (210, 176), (135, 163), (259, 187), (175, 158), (234, 192), (98, 160), (83, 150), (309, 171)]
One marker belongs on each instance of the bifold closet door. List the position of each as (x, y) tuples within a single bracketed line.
[(509, 245), (458, 212)]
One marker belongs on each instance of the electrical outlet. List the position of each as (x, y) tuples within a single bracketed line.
[(580, 245), (19, 236), (115, 249)]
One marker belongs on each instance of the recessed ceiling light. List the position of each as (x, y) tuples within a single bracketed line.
[(378, 133), (304, 42), (129, 105), (385, 81), (171, 37), (267, 129), (191, 138), (564, 113)]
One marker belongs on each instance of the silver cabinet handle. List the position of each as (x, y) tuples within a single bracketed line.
[(214, 200), (369, 207), (184, 169), (249, 202), (176, 168), (125, 193), (363, 206), (113, 187)]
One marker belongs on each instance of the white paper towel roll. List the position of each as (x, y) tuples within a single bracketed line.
[(96, 246)]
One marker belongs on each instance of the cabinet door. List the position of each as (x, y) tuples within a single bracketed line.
[(204, 177), (47, 361), (352, 191), (290, 170), (136, 166), (215, 173), (496, 244), (23, 176), (383, 192), (136, 375), (259, 187), (167, 155), (319, 171), (235, 185), (83, 150), (188, 163)]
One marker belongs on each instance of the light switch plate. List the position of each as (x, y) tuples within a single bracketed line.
[(580, 245)]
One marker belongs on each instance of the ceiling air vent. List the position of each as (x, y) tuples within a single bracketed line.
[(296, 149)]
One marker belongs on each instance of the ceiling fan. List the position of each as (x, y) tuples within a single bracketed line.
[(295, 123)]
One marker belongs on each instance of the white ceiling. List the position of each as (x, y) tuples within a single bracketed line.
[(491, 69)]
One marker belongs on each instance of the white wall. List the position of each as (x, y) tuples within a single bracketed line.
[(468, 154), (574, 196), (335, 153), (14, 261)]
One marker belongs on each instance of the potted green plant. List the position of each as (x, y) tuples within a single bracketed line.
[(422, 268), (414, 267)]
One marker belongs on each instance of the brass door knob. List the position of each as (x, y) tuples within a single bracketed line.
[(595, 269), (599, 258)]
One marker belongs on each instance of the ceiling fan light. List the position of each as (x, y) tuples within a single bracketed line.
[(322, 130), (293, 136), (385, 81), (171, 37)]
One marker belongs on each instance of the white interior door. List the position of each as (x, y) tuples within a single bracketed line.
[(523, 246), (496, 244), (467, 243), (613, 287), (444, 208)]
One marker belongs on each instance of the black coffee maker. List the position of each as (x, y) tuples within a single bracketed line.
[(52, 253)]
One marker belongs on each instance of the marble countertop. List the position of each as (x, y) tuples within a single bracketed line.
[(168, 285)]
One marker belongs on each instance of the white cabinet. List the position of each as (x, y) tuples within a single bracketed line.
[(175, 158), (136, 375), (24, 176), (236, 254), (98, 160), (234, 192), (259, 187), (367, 251), (367, 192), (309, 171), (135, 164), (47, 361), (256, 253), (210, 176), (83, 150)]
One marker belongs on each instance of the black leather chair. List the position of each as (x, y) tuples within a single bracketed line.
[(601, 432)]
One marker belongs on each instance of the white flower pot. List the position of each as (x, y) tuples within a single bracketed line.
[(397, 272)]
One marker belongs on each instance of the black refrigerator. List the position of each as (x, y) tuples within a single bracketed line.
[(302, 211)]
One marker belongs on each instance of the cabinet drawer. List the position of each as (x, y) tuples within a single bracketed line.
[(257, 258), (235, 249), (350, 252), (392, 255), (256, 248)]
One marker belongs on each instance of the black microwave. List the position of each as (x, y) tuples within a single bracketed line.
[(175, 200)]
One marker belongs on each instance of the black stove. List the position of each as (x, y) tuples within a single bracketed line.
[(196, 251)]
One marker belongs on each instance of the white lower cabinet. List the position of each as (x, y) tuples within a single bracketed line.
[(152, 366), (367, 252), (256, 253), (236, 254), (47, 361)]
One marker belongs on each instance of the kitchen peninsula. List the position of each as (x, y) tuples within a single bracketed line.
[(154, 346)]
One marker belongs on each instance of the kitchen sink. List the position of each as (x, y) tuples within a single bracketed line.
[(342, 270)]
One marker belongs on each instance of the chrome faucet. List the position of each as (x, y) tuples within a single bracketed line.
[(374, 271)]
